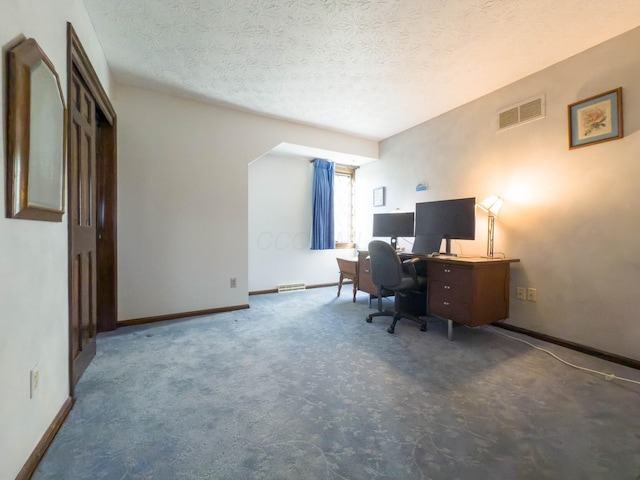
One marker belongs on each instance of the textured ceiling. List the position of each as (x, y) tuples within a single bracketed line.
[(367, 67)]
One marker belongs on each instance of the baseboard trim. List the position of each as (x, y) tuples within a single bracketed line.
[(263, 292), (308, 287), (332, 284), (175, 316), (611, 357), (34, 459)]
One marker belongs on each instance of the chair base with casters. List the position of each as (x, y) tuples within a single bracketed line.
[(394, 277), (397, 313)]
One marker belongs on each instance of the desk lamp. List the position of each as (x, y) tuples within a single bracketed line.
[(491, 205)]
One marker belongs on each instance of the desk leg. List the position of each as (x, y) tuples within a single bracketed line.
[(450, 330)]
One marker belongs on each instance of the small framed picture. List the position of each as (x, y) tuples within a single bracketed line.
[(378, 197), (596, 119)]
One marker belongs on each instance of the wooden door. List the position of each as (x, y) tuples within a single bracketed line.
[(91, 120), (82, 227)]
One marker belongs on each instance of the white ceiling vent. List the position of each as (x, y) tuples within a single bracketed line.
[(523, 112)]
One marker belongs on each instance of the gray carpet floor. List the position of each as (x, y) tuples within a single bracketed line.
[(299, 386)]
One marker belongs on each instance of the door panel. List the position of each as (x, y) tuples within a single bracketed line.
[(106, 225), (82, 227)]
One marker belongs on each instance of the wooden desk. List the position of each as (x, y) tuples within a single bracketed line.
[(348, 269), (365, 283), (469, 291)]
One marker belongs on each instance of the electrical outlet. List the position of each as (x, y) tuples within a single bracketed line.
[(233, 282), (521, 293), (532, 294), (34, 381)]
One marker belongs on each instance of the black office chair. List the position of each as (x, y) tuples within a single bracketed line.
[(391, 276)]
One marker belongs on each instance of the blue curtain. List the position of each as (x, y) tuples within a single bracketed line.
[(322, 237)]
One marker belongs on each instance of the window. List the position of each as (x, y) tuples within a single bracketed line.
[(343, 210)]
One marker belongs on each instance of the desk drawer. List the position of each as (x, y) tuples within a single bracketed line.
[(449, 301), (450, 291), (446, 272), (452, 280)]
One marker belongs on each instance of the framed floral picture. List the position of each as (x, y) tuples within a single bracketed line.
[(596, 119)]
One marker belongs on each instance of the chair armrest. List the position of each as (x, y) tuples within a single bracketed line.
[(411, 260), (408, 266)]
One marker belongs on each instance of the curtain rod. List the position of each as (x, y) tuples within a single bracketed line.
[(355, 167)]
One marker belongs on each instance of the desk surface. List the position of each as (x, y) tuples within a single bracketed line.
[(458, 259)]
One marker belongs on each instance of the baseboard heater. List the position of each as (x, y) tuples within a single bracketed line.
[(291, 287)]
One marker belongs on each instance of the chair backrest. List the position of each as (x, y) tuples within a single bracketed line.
[(386, 267)]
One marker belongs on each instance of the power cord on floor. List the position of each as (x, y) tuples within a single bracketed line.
[(607, 376)]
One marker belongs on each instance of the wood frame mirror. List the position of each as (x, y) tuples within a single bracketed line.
[(36, 133)]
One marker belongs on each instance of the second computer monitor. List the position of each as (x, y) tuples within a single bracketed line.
[(393, 225)]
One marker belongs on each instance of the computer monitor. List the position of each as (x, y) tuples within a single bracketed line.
[(426, 244), (394, 225), (450, 219)]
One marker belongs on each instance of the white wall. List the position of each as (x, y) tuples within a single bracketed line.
[(33, 262), (280, 199), (571, 216), (183, 198)]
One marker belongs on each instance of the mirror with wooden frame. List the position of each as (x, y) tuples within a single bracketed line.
[(35, 136)]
